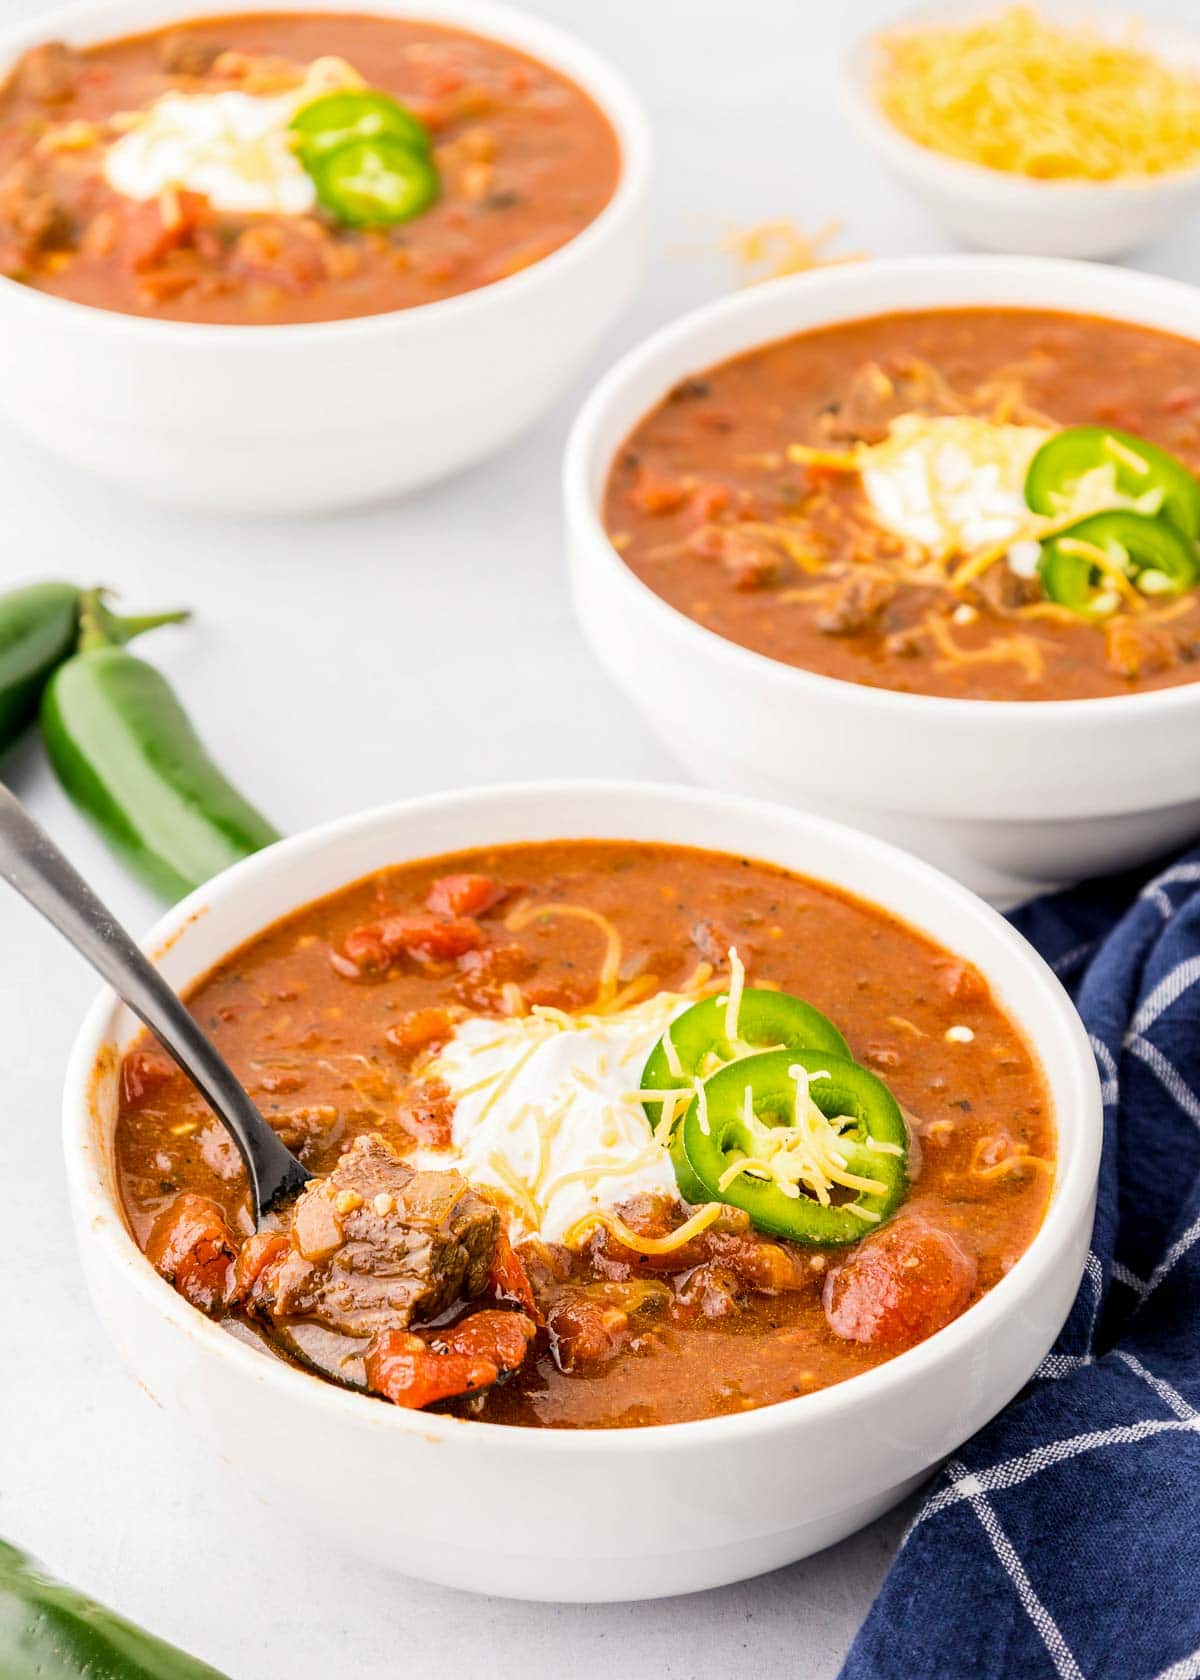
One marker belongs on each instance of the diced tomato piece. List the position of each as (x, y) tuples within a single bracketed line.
[(426, 1111), (963, 982), (502, 1338), (712, 499), (278, 255), (426, 938), (463, 895), (419, 1029), (143, 1072), (900, 1286), (191, 1246), (509, 1280), (406, 1371), (655, 494), (259, 1253), (586, 1331), (1180, 398), (149, 235)]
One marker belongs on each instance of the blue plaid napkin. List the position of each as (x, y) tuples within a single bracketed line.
[(1064, 1539)]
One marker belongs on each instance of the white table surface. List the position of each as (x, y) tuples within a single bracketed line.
[(334, 664)]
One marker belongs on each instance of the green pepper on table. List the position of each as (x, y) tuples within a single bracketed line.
[(748, 1109), (700, 1043), (39, 625), (1147, 478), (127, 754), (1155, 557), (49, 1631)]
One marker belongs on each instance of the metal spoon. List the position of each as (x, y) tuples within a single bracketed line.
[(33, 864)]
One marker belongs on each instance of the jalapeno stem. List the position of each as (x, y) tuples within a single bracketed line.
[(99, 627)]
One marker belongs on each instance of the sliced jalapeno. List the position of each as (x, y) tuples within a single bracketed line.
[(338, 119), (1155, 557), (700, 1044), (755, 1111), (1146, 477), (374, 183)]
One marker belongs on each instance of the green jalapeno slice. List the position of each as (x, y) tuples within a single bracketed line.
[(700, 1044), (853, 1148), (338, 119), (1141, 475), (1155, 557), (374, 183)]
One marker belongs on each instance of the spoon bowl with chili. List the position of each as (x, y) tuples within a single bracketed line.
[(402, 989)]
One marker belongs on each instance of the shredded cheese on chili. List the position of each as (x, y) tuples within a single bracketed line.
[(1054, 101), (616, 1226), (806, 1157)]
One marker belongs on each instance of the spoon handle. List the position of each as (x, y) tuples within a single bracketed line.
[(33, 864)]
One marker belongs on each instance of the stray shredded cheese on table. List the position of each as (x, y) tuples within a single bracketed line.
[(1054, 101), (771, 249)]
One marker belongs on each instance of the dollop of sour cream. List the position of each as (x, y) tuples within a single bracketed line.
[(233, 147), (547, 1111), (951, 484)]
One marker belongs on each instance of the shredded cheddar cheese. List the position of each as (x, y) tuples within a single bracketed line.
[(807, 1157), (769, 250), (1016, 92), (616, 1226), (606, 990)]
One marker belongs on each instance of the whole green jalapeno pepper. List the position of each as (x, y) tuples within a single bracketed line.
[(49, 1631), (127, 754), (39, 626)]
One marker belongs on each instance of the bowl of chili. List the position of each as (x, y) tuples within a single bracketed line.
[(294, 260), (752, 565), (673, 1485)]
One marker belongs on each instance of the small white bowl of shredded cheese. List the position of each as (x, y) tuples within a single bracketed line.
[(1058, 132)]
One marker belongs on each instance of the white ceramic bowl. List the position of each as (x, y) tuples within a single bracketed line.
[(1007, 795), (586, 1514), (1004, 212), (292, 419)]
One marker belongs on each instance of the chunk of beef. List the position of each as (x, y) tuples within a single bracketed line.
[(900, 1285), (855, 604), (1002, 590), (375, 1244), (191, 1246), (877, 394), (590, 1323), (188, 55), (31, 218), (50, 72), (753, 561), (1137, 650), (708, 1291)]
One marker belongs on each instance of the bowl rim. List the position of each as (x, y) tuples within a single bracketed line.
[(99, 1215), (858, 100), (583, 459), (560, 49)]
